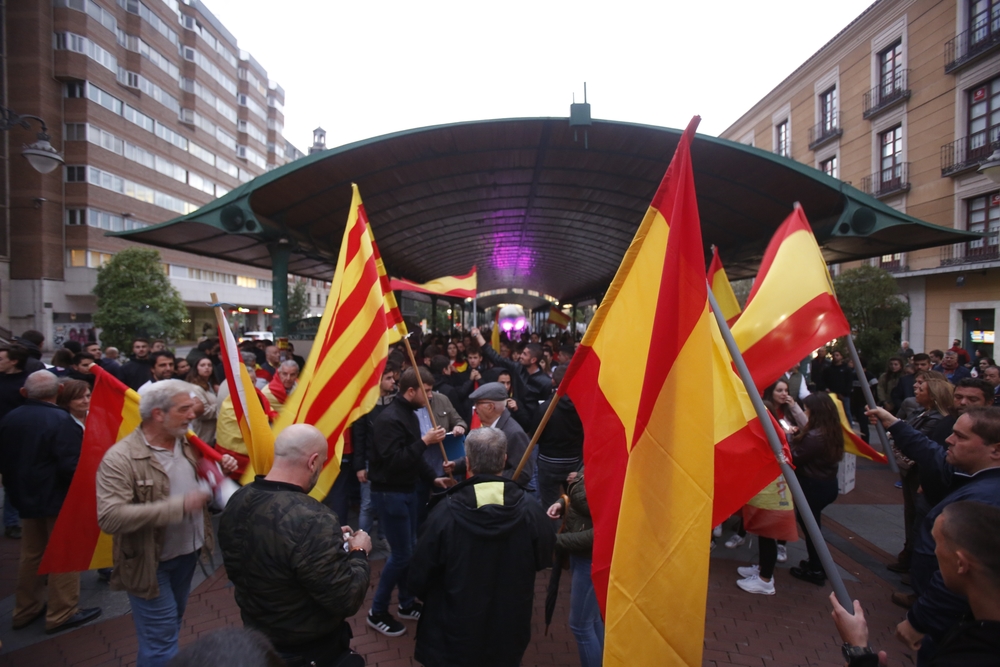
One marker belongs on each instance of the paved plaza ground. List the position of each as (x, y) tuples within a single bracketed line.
[(791, 628)]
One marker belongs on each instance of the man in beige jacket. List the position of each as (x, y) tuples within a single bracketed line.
[(150, 501)]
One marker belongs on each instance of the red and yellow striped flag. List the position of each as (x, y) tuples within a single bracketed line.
[(650, 440), (459, 286), (77, 543), (718, 282), (340, 381), (558, 318), (393, 316), (792, 308), (853, 444)]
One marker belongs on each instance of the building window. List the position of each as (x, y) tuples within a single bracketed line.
[(76, 89), (76, 216), (890, 69), (984, 20), (984, 217), (890, 158), (78, 258), (829, 167), (76, 174), (781, 139), (828, 110), (984, 118)]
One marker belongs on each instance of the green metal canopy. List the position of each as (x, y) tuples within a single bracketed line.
[(531, 204)]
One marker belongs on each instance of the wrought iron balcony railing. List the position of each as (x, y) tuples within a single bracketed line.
[(971, 45), (981, 250), (887, 94), (969, 152), (889, 181), (825, 131)]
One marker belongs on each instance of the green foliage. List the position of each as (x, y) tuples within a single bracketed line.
[(870, 300), (135, 299), (298, 302)]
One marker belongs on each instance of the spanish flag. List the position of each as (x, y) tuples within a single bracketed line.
[(718, 282), (458, 286), (558, 318), (649, 439), (792, 308), (853, 444), (340, 381), (77, 543)]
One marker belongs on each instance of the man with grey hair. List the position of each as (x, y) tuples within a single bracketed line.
[(490, 404), (277, 391), (296, 580), (150, 500), (39, 449), (480, 532)]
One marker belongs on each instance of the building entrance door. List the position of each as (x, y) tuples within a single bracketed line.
[(977, 331)]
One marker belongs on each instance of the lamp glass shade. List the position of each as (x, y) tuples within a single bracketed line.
[(42, 156), (991, 167)]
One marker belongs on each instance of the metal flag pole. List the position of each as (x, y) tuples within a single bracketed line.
[(867, 390), (475, 311), (423, 391), (772, 438)]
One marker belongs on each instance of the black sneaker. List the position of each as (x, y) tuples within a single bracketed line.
[(812, 576), (412, 612), (386, 624)]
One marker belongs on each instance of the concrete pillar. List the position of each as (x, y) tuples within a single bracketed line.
[(280, 252)]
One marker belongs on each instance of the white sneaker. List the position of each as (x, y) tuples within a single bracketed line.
[(735, 541), (749, 571), (782, 553), (717, 531), (757, 585)]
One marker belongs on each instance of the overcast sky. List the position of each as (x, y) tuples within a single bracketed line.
[(361, 69)]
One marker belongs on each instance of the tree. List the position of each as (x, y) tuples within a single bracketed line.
[(870, 299), (298, 302), (135, 299)]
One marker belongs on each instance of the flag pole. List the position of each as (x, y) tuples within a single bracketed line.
[(427, 399), (534, 436), (867, 390), (475, 311), (808, 520)]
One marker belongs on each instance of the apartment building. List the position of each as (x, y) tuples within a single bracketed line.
[(156, 111), (904, 104)]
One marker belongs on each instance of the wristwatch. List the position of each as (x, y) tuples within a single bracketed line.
[(859, 656)]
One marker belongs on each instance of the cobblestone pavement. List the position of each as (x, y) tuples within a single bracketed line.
[(791, 628)]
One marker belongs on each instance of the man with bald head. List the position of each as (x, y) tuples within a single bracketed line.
[(298, 574), (39, 449)]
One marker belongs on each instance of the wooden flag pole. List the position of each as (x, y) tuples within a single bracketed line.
[(801, 504), (867, 390), (534, 437), (427, 399)]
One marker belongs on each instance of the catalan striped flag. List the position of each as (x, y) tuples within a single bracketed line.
[(853, 444), (792, 308), (254, 425), (718, 282), (558, 318), (340, 381), (458, 286), (393, 316), (77, 543), (650, 439)]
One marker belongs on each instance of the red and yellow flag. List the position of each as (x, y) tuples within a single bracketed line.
[(853, 444), (340, 381), (459, 286), (792, 308), (558, 318), (718, 282), (650, 441), (77, 543)]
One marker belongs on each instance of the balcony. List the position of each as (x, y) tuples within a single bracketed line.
[(891, 263), (986, 249), (971, 45), (825, 131), (891, 181), (886, 95), (968, 153)]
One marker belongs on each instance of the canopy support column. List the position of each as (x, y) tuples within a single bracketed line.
[(280, 253)]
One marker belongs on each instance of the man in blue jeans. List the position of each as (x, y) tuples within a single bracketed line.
[(395, 462)]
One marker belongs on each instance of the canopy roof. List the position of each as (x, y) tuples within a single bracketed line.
[(531, 205)]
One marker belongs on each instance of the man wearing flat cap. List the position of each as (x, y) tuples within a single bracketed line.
[(490, 403)]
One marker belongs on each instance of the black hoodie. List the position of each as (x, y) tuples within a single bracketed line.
[(474, 568)]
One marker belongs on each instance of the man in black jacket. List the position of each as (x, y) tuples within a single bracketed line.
[(285, 553), (40, 449), (489, 402), (533, 385), (475, 565), (560, 445), (361, 439), (138, 370), (395, 462)]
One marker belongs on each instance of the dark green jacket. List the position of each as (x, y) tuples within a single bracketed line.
[(577, 536), (284, 553)]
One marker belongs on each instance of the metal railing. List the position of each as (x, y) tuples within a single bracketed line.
[(894, 265), (979, 250), (887, 94), (968, 152), (824, 131), (889, 181), (972, 44)]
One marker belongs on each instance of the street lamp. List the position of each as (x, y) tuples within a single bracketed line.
[(991, 168), (41, 155)]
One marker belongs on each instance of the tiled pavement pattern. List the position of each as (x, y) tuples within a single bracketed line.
[(790, 628)]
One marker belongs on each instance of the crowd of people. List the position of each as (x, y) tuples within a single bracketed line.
[(442, 477)]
